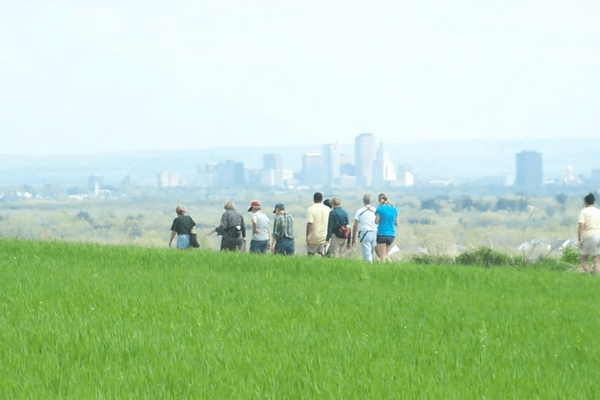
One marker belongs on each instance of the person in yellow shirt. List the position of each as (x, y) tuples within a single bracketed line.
[(588, 233), (316, 226)]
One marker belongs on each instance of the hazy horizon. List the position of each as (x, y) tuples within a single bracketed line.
[(80, 78)]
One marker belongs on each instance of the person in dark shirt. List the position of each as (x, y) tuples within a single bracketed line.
[(232, 229), (181, 227), (338, 228)]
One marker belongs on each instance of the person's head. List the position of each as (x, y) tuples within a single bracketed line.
[(254, 206), (335, 202), (279, 208), (229, 205), (318, 197), (327, 202), (367, 199), (382, 198), (589, 200), (180, 210)]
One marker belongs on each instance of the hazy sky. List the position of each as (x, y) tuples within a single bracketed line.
[(89, 76)]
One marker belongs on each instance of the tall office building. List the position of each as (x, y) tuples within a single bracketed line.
[(529, 170), (383, 168), (365, 150), (312, 169), (273, 161), (230, 173), (272, 172), (331, 164)]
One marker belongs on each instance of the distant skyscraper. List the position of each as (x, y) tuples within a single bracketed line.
[(230, 173), (312, 169), (273, 161), (272, 172), (383, 169), (365, 150), (331, 164), (529, 170)]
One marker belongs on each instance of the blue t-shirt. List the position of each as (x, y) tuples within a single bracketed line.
[(387, 219)]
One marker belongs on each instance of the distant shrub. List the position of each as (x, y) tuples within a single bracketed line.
[(570, 255), (484, 256), (431, 259)]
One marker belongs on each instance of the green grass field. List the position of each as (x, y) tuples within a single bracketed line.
[(91, 322)]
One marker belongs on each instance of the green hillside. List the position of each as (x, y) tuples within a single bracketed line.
[(92, 322)]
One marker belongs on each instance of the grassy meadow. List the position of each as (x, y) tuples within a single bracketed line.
[(83, 321)]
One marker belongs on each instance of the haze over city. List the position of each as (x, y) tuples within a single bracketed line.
[(176, 75)]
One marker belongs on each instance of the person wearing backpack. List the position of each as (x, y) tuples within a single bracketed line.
[(232, 229), (182, 227), (338, 228), (365, 229)]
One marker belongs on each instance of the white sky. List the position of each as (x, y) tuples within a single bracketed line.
[(90, 76)]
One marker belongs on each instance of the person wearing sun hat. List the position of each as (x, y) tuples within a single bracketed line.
[(260, 229), (283, 232)]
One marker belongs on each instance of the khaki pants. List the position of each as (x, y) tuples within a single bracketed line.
[(338, 246)]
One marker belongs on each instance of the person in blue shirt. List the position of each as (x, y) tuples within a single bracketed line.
[(386, 218)]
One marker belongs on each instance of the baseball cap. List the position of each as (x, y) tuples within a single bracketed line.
[(255, 203), (279, 206)]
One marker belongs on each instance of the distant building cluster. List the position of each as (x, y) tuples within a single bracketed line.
[(372, 167)]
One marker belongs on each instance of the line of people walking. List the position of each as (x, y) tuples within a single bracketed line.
[(328, 229)]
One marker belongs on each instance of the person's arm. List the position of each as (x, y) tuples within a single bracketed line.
[(331, 222), (309, 229), (580, 230), (255, 225), (397, 221), (173, 234), (377, 219), (354, 231)]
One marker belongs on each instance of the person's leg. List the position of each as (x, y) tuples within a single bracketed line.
[(368, 245), (596, 261), (584, 263), (337, 246), (254, 246), (380, 250)]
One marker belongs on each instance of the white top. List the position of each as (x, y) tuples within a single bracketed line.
[(262, 223), (366, 219), (590, 216)]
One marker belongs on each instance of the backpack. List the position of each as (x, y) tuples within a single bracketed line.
[(342, 232), (234, 231)]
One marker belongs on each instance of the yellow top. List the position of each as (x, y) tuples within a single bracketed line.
[(590, 217), (318, 215)]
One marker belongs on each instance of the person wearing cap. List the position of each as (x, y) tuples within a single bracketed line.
[(260, 229), (232, 229), (181, 227), (316, 226), (283, 232)]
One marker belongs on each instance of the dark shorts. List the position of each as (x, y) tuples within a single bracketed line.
[(285, 247), (259, 246), (387, 239)]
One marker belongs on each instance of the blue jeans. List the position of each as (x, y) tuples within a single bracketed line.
[(183, 241), (259, 246), (285, 247)]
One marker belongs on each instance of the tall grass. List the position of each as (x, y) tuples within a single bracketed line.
[(93, 322)]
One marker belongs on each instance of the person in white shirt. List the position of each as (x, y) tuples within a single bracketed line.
[(365, 229), (260, 229), (588, 233)]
